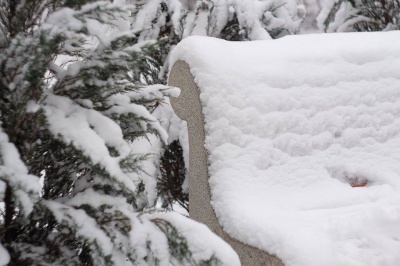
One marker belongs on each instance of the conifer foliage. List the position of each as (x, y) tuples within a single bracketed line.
[(166, 23), (172, 177), (359, 15), (162, 21), (71, 107), (245, 20)]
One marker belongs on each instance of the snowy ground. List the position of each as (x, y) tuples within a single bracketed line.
[(303, 135)]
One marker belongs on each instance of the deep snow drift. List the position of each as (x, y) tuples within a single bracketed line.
[(303, 135)]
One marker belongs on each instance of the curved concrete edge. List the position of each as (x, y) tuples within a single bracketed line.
[(188, 107)]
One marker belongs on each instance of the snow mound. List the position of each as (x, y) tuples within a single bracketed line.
[(303, 135)]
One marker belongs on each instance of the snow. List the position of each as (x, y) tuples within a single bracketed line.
[(4, 257), (65, 17), (14, 173), (342, 20), (150, 18), (150, 145), (248, 13), (89, 131), (177, 130), (85, 225), (259, 18), (291, 124), (202, 242)]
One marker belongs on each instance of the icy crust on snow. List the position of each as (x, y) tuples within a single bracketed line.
[(290, 123)]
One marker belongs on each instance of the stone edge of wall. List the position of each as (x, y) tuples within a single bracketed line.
[(188, 107)]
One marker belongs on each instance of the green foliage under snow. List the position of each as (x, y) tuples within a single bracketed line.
[(73, 103)]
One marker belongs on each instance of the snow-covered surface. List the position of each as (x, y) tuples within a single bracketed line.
[(4, 257), (202, 243), (290, 123), (14, 172)]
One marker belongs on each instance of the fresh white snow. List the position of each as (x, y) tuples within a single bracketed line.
[(290, 125), (14, 172), (4, 256), (202, 243)]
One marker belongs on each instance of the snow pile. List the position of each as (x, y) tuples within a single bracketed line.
[(303, 135)]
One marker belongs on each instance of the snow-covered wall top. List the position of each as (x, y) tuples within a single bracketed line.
[(303, 135)]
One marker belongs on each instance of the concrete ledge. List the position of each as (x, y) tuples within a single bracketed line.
[(188, 107)]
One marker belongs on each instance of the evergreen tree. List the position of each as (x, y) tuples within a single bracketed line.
[(163, 22), (71, 108), (359, 15), (172, 177), (167, 22), (244, 20)]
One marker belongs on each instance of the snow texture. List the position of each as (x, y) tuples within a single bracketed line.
[(303, 135), (4, 257), (14, 173), (150, 19), (85, 225), (255, 16), (202, 242), (345, 17), (89, 131), (177, 130)]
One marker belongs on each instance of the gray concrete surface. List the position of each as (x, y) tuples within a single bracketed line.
[(188, 107)]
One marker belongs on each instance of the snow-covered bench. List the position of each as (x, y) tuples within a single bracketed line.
[(295, 145)]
